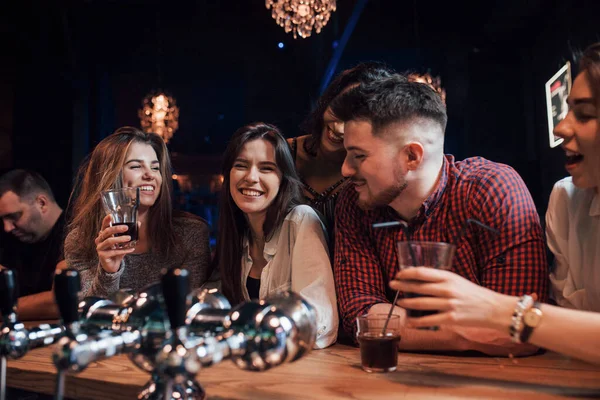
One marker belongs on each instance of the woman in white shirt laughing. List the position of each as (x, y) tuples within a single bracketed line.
[(267, 240)]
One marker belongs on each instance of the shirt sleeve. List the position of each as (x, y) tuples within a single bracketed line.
[(557, 228), (514, 261), (312, 276), (358, 276)]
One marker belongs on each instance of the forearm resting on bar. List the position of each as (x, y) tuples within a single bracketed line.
[(446, 339)]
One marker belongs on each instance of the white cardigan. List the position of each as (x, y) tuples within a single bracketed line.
[(298, 260)]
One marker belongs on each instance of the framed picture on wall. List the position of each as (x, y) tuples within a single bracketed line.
[(557, 91)]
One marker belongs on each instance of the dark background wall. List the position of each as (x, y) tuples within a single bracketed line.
[(72, 72)]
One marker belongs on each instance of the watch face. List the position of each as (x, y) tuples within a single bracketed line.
[(532, 317)]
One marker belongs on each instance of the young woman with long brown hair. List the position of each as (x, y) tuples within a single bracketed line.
[(268, 241), (132, 158)]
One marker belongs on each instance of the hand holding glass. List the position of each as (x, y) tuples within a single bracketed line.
[(122, 205), (438, 255)]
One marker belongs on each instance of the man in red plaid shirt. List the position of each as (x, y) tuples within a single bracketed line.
[(394, 136)]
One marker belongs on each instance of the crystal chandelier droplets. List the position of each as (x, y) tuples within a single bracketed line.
[(301, 16), (159, 114)]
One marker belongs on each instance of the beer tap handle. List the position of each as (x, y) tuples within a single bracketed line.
[(8, 293), (66, 288), (176, 290)]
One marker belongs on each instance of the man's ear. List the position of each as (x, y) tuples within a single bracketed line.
[(42, 202), (415, 152)]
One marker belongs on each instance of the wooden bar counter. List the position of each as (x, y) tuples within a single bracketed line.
[(335, 373)]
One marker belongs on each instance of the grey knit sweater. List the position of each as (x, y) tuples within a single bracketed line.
[(139, 270)]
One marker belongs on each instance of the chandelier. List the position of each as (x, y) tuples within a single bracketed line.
[(301, 16), (159, 114), (433, 82)]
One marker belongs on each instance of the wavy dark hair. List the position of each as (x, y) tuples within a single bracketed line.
[(233, 225), (103, 170), (362, 73), (590, 62)]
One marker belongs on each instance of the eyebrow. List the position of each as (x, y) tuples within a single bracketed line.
[(141, 161), (354, 148)]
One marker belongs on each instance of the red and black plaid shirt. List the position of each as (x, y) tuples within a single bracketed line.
[(512, 262)]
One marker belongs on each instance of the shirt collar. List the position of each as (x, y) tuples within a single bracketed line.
[(270, 246)]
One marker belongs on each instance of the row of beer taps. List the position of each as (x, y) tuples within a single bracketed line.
[(166, 329)]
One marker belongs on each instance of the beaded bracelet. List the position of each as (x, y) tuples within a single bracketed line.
[(516, 325)]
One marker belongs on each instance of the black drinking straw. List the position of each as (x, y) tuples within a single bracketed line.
[(404, 227)]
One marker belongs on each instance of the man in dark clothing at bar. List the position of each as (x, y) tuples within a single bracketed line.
[(32, 238)]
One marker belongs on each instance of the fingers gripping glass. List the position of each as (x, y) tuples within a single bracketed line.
[(122, 205)]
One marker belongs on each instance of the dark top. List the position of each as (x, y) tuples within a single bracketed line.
[(323, 202), (34, 262), (253, 286)]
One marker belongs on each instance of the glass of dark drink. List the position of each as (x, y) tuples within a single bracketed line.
[(378, 342), (122, 205), (424, 254)]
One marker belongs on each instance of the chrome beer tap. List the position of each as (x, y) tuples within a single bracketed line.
[(15, 340), (255, 336)]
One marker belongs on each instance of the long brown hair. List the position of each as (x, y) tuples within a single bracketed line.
[(590, 63), (233, 225), (104, 171)]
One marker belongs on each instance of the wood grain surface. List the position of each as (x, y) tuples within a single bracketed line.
[(335, 373)]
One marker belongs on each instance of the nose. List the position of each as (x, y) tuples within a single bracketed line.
[(147, 173), (347, 169), (252, 175), (8, 226), (564, 129)]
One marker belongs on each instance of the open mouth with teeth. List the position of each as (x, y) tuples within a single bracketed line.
[(335, 137), (573, 158), (251, 192), (146, 189)]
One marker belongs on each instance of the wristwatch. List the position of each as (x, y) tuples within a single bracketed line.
[(531, 320)]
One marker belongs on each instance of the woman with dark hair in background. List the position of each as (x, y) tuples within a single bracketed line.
[(267, 240), (319, 155), (132, 158), (573, 236)]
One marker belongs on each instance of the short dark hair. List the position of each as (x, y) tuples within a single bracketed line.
[(362, 73), (25, 184), (389, 100)]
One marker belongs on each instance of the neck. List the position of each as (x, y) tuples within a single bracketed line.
[(425, 182), (54, 214), (335, 158), (256, 226)]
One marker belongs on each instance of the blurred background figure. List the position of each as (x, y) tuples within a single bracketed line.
[(32, 237)]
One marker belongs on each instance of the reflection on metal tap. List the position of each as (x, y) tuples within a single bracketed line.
[(15, 340), (173, 335)]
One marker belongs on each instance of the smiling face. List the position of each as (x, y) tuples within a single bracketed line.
[(374, 165), (332, 137), (142, 169), (579, 129), (255, 178)]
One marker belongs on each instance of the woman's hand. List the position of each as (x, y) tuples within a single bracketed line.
[(107, 245), (459, 301)]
